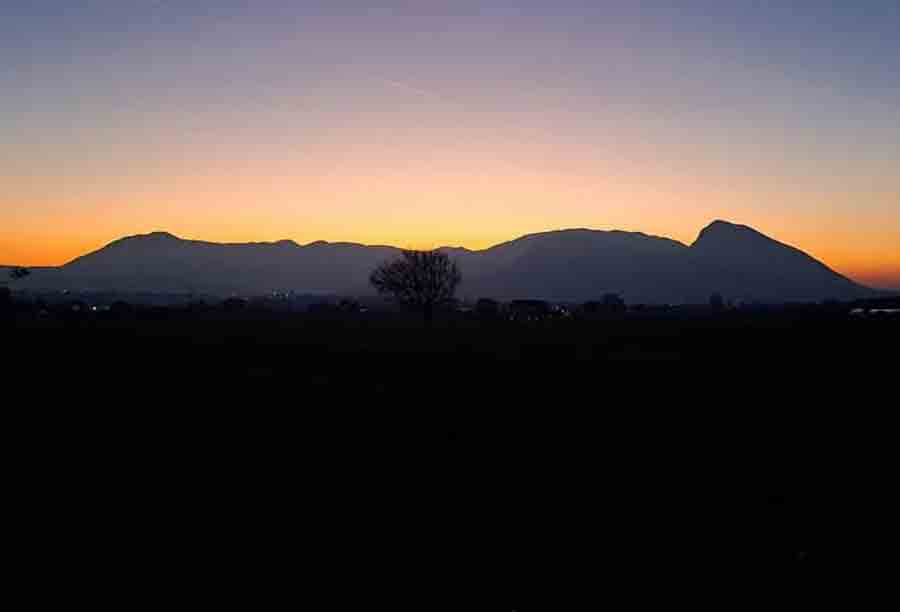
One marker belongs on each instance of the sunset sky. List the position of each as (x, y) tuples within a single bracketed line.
[(457, 122)]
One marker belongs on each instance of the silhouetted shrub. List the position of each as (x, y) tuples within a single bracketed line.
[(349, 306), (120, 308), (234, 304), (487, 308), (611, 303), (19, 273), (529, 310)]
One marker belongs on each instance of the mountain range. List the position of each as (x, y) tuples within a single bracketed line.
[(735, 261)]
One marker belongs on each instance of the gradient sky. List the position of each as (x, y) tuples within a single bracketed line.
[(423, 123)]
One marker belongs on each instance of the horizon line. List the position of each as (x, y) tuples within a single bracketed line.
[(394, 246)]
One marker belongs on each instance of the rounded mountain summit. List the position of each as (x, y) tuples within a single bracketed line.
[(573, 265)]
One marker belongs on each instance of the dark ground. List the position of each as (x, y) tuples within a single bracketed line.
[(545, 458)]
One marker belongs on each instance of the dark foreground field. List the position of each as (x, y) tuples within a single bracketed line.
[(375, 451)]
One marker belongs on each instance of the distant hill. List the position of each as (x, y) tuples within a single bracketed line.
[(570, 265)]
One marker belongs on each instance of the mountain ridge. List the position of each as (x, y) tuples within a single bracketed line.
[(571, 264)]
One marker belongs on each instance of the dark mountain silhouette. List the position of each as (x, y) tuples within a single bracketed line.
[(747, 264), (577, 265), (161, 262)]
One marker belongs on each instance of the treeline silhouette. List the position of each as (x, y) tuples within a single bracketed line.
[(542, 437)]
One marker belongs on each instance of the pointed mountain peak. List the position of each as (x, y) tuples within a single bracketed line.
[(720, 230), (720, 226)]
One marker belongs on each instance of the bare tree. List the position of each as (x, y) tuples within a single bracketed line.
[(419, 279)]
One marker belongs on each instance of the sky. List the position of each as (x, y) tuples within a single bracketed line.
[(427, 123)]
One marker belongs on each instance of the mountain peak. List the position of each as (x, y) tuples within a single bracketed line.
[(573, 265), (155, 236), (720, 230), (720, 225)]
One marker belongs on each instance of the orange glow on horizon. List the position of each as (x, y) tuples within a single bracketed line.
[(452, 199), (874, 263), (423, 125)]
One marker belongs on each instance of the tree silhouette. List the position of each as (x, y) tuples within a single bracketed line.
[(613, 303), (422, 280), (487, 308), (5, 293), (19, 273)]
